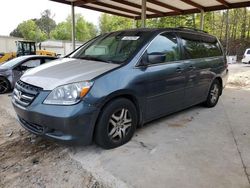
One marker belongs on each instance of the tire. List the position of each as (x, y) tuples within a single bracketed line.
[(4, 85), (214, 94), (116, 124)]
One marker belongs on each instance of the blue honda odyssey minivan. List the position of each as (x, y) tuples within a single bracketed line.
[(118, 81)]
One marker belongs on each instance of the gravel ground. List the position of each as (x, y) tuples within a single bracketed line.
[(239, 76), (30, 161)]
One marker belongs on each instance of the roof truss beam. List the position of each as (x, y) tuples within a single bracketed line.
[(83, 2)]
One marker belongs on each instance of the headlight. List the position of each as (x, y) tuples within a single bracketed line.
[(68, 94)]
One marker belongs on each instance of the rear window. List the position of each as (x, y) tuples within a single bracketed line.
[(200, 47)]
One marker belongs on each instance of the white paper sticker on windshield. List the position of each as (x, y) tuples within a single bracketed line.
[(130, 38)]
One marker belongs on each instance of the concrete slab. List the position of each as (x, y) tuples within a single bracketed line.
[(193, 148)]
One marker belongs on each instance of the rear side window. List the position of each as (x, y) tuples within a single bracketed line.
[(47, 60), (32, 63), (212, 49), (167, 44), (248, 52), (200, 49)]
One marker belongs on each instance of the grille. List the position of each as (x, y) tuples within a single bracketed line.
[(32, 127), (24, 93)]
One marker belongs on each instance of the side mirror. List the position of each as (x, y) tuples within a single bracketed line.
[(156, 57), (144, 60)]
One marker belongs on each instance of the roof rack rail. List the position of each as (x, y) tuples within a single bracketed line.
[(190, 28)]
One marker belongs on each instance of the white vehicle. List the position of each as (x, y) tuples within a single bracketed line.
[(246, 57)]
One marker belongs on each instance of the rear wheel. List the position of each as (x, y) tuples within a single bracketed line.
[(214, 94), (116, 124), (4, 85)]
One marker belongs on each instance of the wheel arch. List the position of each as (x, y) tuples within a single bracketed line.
[(121, 94), (3, 77), (127, 95), (220, 81)]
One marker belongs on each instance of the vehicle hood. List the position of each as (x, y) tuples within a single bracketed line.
[(3, 69), (65, 71)]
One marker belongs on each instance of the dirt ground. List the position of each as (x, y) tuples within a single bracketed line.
[(239, 76), (30, 161)]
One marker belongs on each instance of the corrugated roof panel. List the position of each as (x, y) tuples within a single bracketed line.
[(110, 9), (207, 3), (117, 4), (178, 4), (162, 9)]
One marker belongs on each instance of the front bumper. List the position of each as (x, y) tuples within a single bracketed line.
[(72, 124)]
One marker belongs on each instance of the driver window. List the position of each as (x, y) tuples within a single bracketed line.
[(167, 44), (32, 63)]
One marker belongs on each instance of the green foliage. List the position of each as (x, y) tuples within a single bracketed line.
[(62, 31), (108, 23), (31, 31), (46, 28), (84, 30), (16, 33), (46, 22)]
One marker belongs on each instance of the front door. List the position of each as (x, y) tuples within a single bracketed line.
[(165, 85)]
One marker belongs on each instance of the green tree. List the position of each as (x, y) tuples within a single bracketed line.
[(46, 22), (31, 31), (84, 30), (16, 33), (62, 31), (108, 23)]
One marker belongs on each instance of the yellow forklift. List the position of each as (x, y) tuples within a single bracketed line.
[(25, 48)]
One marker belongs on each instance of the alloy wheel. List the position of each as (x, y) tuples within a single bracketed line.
[(214, 93), (120, 123)]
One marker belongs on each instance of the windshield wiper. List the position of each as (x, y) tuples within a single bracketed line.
[(95, 59)]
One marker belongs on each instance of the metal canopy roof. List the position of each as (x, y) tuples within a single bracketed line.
[(155, 8)]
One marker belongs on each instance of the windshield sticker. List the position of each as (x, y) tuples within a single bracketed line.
[(130, 38)]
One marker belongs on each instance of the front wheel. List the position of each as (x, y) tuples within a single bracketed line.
[(4, 85), (214, 94), (116, 124)]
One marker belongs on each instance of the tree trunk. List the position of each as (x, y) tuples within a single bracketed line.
[(193, 18), (222, 25), (227, 32), (244, 23)]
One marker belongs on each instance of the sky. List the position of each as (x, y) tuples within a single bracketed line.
[(14, 12)]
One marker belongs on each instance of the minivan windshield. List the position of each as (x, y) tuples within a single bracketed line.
[(115, 47), (11, 63)]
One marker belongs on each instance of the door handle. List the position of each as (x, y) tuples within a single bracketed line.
[(179, 69)]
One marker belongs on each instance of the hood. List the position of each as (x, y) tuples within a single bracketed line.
[(65, 71), (3, 69)]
